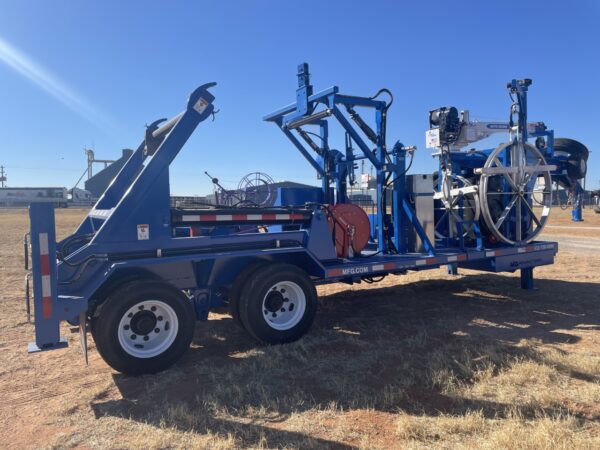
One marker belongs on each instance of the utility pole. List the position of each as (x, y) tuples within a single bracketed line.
[(2, 176)]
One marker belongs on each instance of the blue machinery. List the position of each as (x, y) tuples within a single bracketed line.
[(138, 273)]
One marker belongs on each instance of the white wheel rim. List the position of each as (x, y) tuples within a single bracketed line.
[(284, 305), (148, 328)]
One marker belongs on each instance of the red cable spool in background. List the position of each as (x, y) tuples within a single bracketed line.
[(350, 225)]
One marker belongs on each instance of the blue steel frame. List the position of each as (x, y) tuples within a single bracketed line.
[(130, 233), (332, 165)]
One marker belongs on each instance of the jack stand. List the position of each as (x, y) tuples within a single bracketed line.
[(452, 269), (527, 279)]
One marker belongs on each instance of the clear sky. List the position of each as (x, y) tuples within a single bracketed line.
[(77, 74)]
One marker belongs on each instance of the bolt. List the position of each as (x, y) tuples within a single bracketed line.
[(130, 315), (141, 307), (153, 308), (159, 318), (133, 336), (283, 291), (266, 312), (282, 310), (156, 330), (146, 338), (274, 314), (286, 299), (126, 327)]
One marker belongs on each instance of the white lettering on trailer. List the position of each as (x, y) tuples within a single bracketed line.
[(143, 232), (355, 270)]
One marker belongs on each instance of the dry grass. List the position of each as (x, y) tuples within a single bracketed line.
[(419, 361)]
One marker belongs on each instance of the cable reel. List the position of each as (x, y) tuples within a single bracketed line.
[(511, 176), (460, 203), (256, 189)]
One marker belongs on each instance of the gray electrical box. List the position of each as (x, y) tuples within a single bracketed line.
[(419, 190)]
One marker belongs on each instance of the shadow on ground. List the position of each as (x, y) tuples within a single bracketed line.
[(388, 349)]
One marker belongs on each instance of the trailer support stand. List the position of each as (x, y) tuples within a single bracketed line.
[(527, 278)]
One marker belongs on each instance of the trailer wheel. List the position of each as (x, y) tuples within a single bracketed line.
[(143, 327), (237, 289), (278, 304)]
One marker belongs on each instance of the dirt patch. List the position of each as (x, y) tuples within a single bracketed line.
[(419, 361)]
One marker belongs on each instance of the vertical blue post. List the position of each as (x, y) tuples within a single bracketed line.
[(527, 278), (381, 215), (44, 271), (399, 188)]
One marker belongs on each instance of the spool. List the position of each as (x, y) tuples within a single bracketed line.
[(350, 226)]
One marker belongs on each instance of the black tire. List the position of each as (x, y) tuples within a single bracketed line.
[(105, 326), (236, 289), (255, 291)]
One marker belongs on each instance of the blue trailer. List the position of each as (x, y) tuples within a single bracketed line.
[(138, 273)]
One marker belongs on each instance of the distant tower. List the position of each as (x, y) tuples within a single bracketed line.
[(2, 176)]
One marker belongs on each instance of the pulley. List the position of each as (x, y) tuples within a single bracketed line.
[(512, 174)]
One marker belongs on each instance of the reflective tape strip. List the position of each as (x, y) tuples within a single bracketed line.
[(188, 218), (421, 262), (45, 273), (490, 254), (43, 243), (521, 250), (47, 307), (452, 258), (378, 267), (46, 286), (240, 217)]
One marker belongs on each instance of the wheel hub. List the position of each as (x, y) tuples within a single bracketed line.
[(143, 322), (274, 301)]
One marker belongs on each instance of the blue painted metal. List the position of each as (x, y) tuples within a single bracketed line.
[(133, 233), (49, 307)]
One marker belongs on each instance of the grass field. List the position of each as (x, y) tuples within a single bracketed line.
[(423, 360)]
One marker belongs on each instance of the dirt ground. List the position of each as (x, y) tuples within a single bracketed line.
[(418, 361)]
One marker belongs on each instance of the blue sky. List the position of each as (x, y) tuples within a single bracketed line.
[(77, 74)]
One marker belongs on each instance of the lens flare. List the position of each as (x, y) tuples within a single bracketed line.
[(50, 84)]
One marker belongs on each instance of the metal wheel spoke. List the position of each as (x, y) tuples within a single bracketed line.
[(533, 216), (506, 211), (518, 220)]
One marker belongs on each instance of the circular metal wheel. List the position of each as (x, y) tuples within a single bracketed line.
[(460, 202), (148, 328), (278, 303), (284, 305), (256, 187), (143, 326), (512, 174)]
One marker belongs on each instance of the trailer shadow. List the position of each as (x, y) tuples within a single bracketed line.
[(385, 349)]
